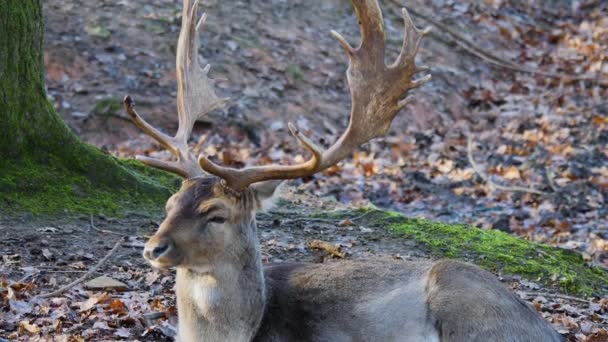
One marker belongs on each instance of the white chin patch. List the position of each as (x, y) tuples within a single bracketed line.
[(157, 265)]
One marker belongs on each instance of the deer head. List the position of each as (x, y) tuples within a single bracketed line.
[(203, 221), (216, 205)]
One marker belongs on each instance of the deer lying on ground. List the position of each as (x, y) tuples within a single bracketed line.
[(223, 291)]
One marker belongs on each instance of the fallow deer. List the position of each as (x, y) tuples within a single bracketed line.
[(224, 293)]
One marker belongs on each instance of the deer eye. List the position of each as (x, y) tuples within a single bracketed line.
[(217, 219)]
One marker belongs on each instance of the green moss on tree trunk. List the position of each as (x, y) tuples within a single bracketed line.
[(44, 167), (493, 250)]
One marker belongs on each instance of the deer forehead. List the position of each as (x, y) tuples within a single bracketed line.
[(191, 194), (221, 205), (204, 197)]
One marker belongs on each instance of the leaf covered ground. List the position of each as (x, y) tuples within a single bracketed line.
[(485, 145), (126, 299)]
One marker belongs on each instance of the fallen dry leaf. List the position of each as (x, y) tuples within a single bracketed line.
[(101, 325), (511, 173), (460, 175), (118, 307), (122, 332), (598, 336), (92, 301), (445, 165), (47, 254), (346, 223), (27, 327), (152, 277)]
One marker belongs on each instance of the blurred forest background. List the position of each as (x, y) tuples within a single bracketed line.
[(543, 135), (510, 134)]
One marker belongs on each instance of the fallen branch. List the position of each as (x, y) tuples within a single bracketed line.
[(487, 178), (84, 276), (550, 176), (362, 215), (151, 318), (155, 315), (556, 295), (103, 230), (473, 48), (328, 247), (309, 219)]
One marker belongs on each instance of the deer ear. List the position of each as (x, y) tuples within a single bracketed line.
[(266, 193)]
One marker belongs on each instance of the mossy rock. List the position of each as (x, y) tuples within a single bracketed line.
[(493, 250)]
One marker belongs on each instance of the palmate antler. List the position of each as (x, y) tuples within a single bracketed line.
[(195, 99), (378, 92)]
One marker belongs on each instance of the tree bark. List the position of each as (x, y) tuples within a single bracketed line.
[(44, 167)]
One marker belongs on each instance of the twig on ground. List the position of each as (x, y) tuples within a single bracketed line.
[(309, 219), (325, 220), (153, 316), (556, 295), (473, 48), (550, 176), (84, 276), (103, 230), (25, 278), (328, 247), (362, 215), (487, 179)]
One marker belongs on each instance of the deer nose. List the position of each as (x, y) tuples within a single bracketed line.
[(158, 249)]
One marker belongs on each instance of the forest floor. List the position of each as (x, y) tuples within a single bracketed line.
[(537, 166), (142, 306)]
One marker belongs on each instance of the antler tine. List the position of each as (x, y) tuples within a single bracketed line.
[(163, 139), (412, 38), (195, 98), (195, 94), (373, 38), (240, 179), (378, 92)]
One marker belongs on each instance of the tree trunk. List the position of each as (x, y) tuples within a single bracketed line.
[(44, 167)]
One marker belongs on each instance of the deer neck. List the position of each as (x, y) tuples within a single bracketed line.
[(225, 303)]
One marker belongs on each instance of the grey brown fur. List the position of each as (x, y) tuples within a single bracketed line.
[(387, 300), (225, 294)]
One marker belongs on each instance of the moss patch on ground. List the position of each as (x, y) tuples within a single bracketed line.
[(116, 187), (493, 250)]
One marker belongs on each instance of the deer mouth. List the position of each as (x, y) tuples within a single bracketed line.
[(163, 256), (164, 263)]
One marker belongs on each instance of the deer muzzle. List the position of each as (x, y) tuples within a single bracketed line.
[(160, 252)]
